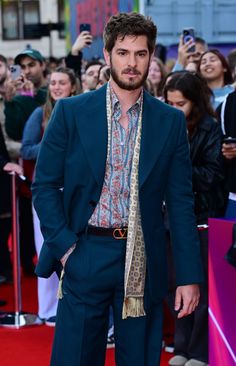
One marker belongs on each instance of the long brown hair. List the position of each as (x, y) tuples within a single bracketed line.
[(159, 88), (194, 88), (48, 106)]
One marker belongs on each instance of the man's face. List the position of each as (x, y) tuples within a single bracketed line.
[(3, 72), (32, 70), (129, 62), (195, 56), (91, 76)]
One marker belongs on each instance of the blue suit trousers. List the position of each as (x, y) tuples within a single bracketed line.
[(94, 280)]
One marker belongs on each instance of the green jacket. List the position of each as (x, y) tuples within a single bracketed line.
[(18, 110)]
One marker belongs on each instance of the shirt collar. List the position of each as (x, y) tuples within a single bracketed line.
[(115, 101)]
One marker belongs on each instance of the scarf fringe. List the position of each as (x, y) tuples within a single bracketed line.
[(59, 290), (133, 307)]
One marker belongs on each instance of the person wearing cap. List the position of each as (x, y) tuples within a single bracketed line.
[(25, 93)]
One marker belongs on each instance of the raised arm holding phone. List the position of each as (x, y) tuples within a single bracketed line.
[(189, 50)]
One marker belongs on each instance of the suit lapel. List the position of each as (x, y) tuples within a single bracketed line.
[(155, 132), (92, 128)]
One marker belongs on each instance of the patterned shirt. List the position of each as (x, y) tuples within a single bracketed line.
[(112, 209)]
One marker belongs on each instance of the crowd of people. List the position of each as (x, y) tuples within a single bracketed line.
[(201, 85)]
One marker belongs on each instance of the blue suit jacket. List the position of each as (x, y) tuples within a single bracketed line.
[(70, 174)]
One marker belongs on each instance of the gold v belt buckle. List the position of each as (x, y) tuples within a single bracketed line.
[(120, 233)]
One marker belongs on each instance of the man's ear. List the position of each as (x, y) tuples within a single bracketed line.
[(106, 56)]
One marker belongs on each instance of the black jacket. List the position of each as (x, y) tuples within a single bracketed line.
[(229, 123), (207, 165), (5, 181), (74, 62)]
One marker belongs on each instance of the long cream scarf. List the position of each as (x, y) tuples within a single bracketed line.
[(135, 261)]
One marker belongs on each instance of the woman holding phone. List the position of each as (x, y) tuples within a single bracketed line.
[(189, 93)]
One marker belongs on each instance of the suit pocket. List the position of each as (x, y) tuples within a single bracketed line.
[(76, 266)]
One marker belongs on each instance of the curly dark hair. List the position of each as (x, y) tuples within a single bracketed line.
[(129, 24)]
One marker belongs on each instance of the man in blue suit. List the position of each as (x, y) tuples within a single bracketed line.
[(108, 160)]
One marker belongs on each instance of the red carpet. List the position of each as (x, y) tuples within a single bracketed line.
[(32, 345)]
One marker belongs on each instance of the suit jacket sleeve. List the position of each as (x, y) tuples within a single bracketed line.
[(180, 207), (49, 183)]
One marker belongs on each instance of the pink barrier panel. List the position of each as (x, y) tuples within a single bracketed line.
[(222, 296)]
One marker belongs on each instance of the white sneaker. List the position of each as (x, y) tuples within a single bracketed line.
[(178, 361), (193, 362)]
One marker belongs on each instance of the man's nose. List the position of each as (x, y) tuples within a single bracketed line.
[(26, 71), (132, 60)]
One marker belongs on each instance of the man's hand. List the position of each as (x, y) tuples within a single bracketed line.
[(186, 299), (84, 39), (20, 86), (27, 87), (229, 151)]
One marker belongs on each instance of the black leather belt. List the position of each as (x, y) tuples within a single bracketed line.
[(114, 232)]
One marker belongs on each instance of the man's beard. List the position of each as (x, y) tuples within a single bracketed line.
[(128, 85)]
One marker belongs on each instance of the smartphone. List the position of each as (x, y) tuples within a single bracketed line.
[(229, 140), (188, 33), (85, 27), (15, 71)]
